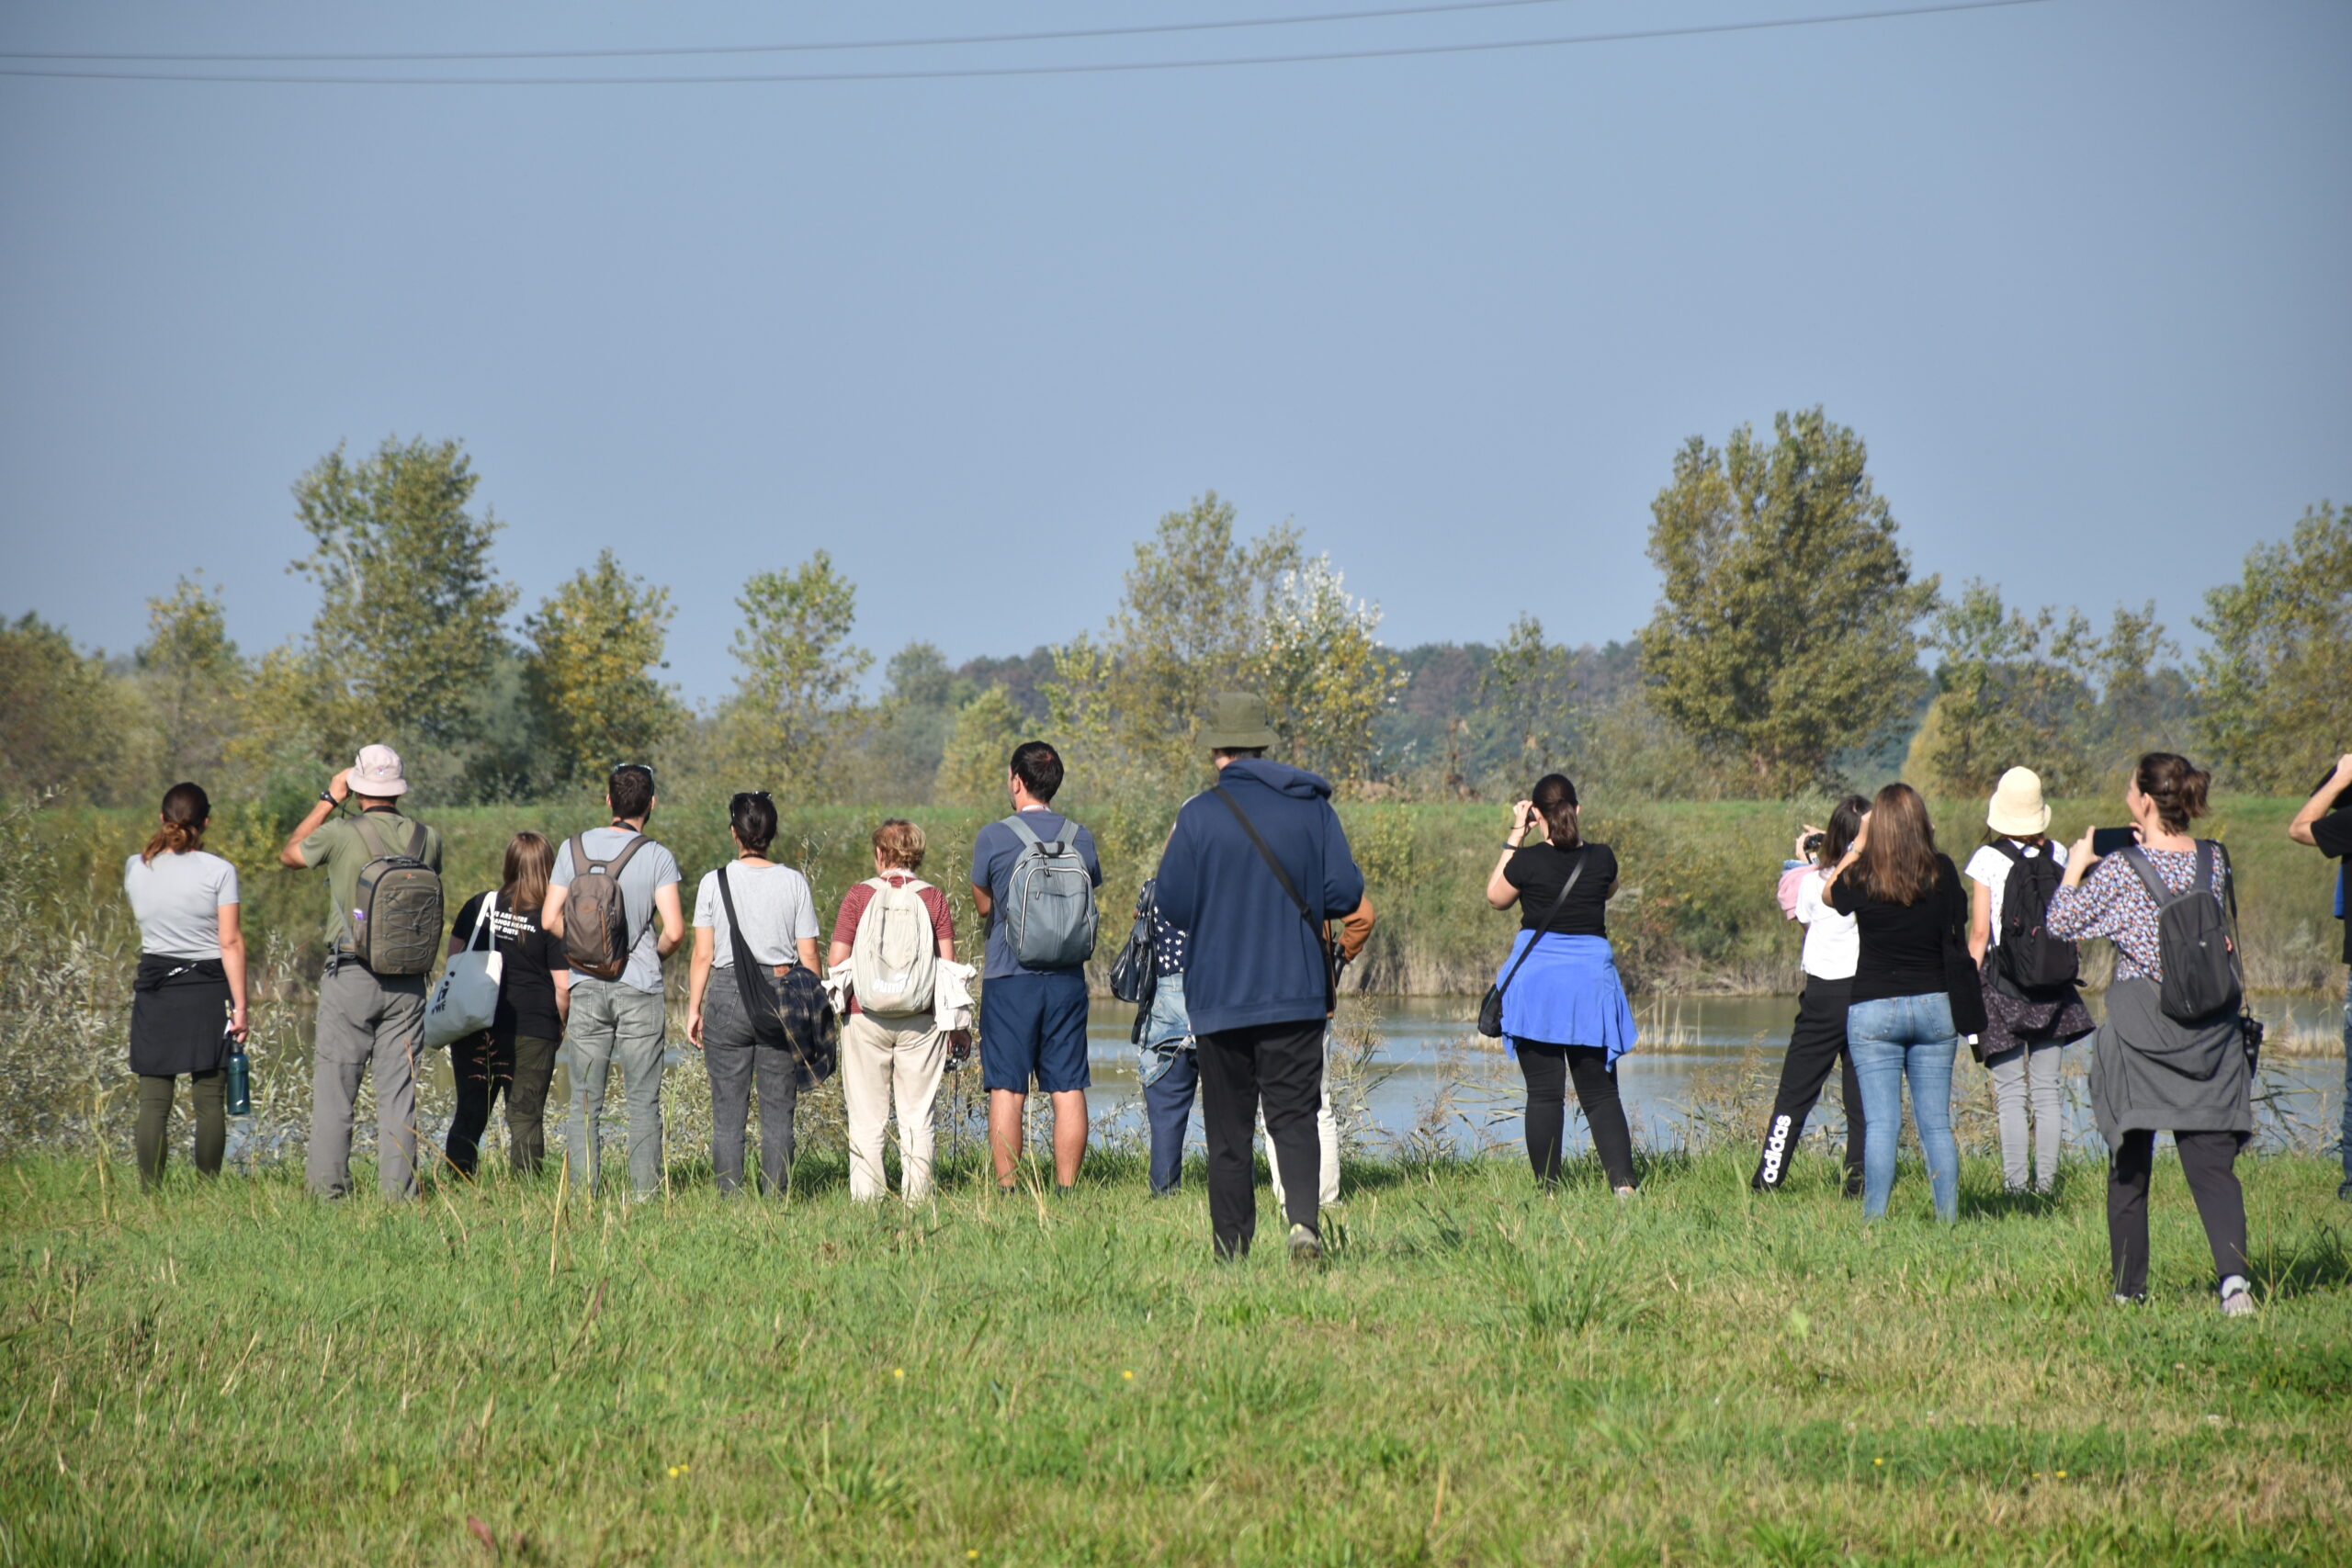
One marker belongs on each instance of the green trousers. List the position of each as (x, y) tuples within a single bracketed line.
[(153, 1138)]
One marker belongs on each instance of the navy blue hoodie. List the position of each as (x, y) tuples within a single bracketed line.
[(1253, 959)]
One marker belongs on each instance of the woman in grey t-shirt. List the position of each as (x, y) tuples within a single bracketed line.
[(780, 928), (189, 998)]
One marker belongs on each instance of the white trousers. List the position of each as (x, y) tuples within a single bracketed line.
[(1327, 1133), (885, 1059)]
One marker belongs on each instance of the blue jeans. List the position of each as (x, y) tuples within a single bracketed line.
[(1892, 1038), (1168, 1106)]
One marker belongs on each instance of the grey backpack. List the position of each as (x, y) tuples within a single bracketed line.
[(396, 923), (1049, 912)]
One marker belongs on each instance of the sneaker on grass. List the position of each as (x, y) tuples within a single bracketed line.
[(2237, 1297), (1306, 1247)]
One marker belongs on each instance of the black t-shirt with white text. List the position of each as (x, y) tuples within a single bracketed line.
[(527, 983), (2332, 834), (1538, 870)]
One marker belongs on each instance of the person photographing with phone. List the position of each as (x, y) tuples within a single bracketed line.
[(1818, 1045), (1564, 1010), (2154, 1069)]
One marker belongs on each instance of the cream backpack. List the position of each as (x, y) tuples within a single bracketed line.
[(895, 956)]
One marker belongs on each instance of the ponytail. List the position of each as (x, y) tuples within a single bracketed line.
[(2177, 789), (1555, 799), (186, 808)]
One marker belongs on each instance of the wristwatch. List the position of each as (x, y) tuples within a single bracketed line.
[(328, 795)]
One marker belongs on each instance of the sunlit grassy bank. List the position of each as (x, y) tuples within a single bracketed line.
[(235, 1373)]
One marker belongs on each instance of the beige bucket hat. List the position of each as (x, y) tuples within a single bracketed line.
[(377, 773), (2018, 810)]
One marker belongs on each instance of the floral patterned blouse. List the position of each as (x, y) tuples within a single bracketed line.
[(2114, 903)]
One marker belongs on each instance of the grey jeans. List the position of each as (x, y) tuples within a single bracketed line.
[(737, 1062), (367, 1021), (611, 1022), (2029, 1073)]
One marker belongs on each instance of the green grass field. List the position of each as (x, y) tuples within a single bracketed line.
[(235, 1373)]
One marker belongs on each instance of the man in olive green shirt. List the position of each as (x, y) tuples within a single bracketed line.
[(365, 1020)]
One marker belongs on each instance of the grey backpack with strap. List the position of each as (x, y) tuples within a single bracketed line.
[(1049, 914), (395, 922)]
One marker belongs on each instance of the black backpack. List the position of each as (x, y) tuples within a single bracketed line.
[(2200, 962), (2032, 960)]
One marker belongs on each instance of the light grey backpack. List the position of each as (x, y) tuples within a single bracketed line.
[(1049, 913)]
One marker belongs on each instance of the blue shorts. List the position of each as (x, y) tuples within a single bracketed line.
[(1034, 1026)]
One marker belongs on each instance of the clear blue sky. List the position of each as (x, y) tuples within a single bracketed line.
[(2075, 271)]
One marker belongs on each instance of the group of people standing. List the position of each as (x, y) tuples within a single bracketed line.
[(1256, 907), (1902, 965)]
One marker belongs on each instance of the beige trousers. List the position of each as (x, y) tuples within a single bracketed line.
[(882, 1059)]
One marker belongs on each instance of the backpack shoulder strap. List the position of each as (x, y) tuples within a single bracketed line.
[(2137, 858), (580, 861), (2008, 847), (416, 844), (613, 866), (369, 838), (1023, 831)]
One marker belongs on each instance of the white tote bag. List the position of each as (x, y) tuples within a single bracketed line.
[(466, 1000)]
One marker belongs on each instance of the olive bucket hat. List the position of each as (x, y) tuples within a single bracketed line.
[(1237, 721)]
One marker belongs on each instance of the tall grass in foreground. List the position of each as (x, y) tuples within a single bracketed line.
[(511, 1374)]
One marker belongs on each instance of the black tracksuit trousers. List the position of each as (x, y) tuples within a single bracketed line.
[(2208, 1161), (1281, 1064), (1817, 1047)]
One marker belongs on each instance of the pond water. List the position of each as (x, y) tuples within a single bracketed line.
[(1434, 1078)]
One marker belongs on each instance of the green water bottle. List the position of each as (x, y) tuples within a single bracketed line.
[(241, 1082)]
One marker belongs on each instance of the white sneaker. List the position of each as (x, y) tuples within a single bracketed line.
[(2237, 1297), (1306, 1247)]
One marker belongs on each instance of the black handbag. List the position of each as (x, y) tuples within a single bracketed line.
[(794, 1013), (1133, 972), (1963, 982), (1490, 1006)]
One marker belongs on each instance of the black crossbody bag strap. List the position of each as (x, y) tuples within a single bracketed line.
[(759, 1000), (1322, 943), (1543, 926)]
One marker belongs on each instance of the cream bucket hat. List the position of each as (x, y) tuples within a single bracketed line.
[(2018, 810)]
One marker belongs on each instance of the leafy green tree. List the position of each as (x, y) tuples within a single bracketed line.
[(1788, 626), (798, 693), (194, 679), (409, 623), (1188, 625), (596, 644), (1323, 673), (972, 767), (1529, 695), (67, 728), (2271, 684), (919, 677)]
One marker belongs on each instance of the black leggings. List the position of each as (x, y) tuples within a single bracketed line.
[(2207, 1160), (1548, 1069), (1816, 1048)]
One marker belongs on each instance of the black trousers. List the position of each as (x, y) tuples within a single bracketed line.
[(486, 1068), (2208, 1160), (1817, 1046), (1281, 1065), (1548, 1071)]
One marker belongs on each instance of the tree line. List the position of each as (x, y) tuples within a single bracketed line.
[(1793, 649)]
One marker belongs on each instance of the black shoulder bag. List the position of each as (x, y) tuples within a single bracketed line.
[(1490, 1006), (1964, 983), (794, 1014), (1323, 943)]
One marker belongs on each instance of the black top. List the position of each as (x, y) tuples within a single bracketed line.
[(1903, 944), (1539, 870), (527, 981), (2332, 834)]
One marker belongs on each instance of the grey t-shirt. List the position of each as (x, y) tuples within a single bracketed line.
[(177, 900), (776, 909), (649, 870)]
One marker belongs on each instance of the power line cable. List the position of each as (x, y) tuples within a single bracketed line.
[(960, 73), (939, 42)]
